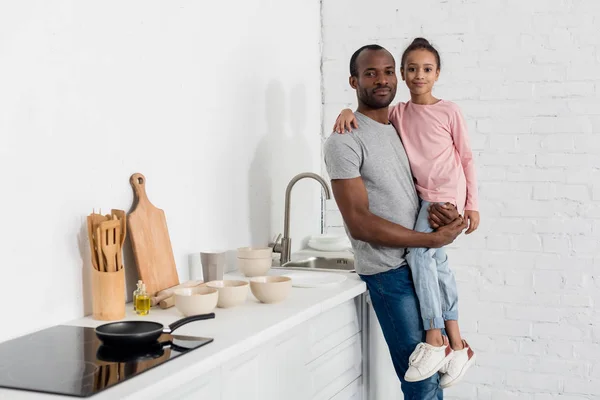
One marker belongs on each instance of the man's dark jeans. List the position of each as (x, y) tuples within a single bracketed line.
[(395, 302)]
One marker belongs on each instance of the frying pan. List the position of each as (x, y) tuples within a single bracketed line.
[(136, 354), (140, 333)]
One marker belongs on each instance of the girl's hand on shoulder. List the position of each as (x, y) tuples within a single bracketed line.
[(345, 121), (472, 217)]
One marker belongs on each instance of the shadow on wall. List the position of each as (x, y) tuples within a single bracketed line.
[(85, 253), (282, 153), (309, 195), (131, 273)]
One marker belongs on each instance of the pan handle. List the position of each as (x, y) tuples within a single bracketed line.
[(187, 320)]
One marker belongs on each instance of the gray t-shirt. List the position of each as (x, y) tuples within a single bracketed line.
[(375, 153)]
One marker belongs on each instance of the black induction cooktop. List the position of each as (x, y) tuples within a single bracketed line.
[(70, 360)]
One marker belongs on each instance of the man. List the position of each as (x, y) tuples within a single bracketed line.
[(373, 187)]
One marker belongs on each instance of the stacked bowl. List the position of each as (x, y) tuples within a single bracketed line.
[(254, 261)]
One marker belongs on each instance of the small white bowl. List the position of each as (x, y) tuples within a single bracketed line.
[(255, 252), (196, 300), (271, 289), (254, 266), (231, 293)]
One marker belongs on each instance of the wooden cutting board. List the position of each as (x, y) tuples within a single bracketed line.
[(147, 226)]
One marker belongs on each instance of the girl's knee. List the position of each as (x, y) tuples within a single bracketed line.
[(420, 255)]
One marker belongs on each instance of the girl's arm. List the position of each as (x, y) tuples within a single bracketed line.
[(461, 142), (347, 120)]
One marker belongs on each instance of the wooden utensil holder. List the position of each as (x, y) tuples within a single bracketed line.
[(108, 295)]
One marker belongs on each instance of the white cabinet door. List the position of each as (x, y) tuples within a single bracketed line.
[(244, 377), (336, 369), (207, 386), (383, 381), (351, 392), (274, 371), (290, 374), (331, 328)]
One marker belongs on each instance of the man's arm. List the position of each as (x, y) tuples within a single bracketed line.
[(353, 201)]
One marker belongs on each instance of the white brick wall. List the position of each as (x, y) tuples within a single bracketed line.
[(527, 76)]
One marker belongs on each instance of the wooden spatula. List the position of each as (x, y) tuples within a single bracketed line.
[(122, 217), (97, 219), (110, 234), (98, 244), (90, 226), (123, 220)]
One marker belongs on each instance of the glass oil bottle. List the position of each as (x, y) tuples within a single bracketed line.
[(142, 302), (137, 291)]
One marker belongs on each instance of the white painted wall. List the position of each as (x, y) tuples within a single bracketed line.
[(217, 103), (527, 76)]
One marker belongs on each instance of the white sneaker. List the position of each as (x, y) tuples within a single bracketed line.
[(457, 367), (427, 360)]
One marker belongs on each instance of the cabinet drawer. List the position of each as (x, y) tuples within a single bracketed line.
[(243, 377), (205, 386), (336, 369), (350, 392), (331, 328)]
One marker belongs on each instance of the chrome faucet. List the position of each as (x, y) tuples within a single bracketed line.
[(285, 246)]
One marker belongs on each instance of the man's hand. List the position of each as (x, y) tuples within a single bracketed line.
[(441, 214), (472, 217), (446, 234)]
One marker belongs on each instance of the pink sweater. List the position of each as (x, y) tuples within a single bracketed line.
[(437, 144)]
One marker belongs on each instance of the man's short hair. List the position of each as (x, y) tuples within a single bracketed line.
[(353, 66)]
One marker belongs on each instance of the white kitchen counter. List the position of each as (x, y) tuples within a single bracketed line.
[(235, 331)]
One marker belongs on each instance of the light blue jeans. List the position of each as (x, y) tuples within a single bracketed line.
[(434, 281)]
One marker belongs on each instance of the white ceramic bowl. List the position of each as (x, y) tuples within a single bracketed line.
[(271, 289), (255, 252), (231, 293), (329, 238), (254, 266), (196, 300)]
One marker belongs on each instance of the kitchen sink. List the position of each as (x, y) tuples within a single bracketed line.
[(321, 264)]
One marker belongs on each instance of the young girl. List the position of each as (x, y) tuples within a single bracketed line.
[(434, 136)]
